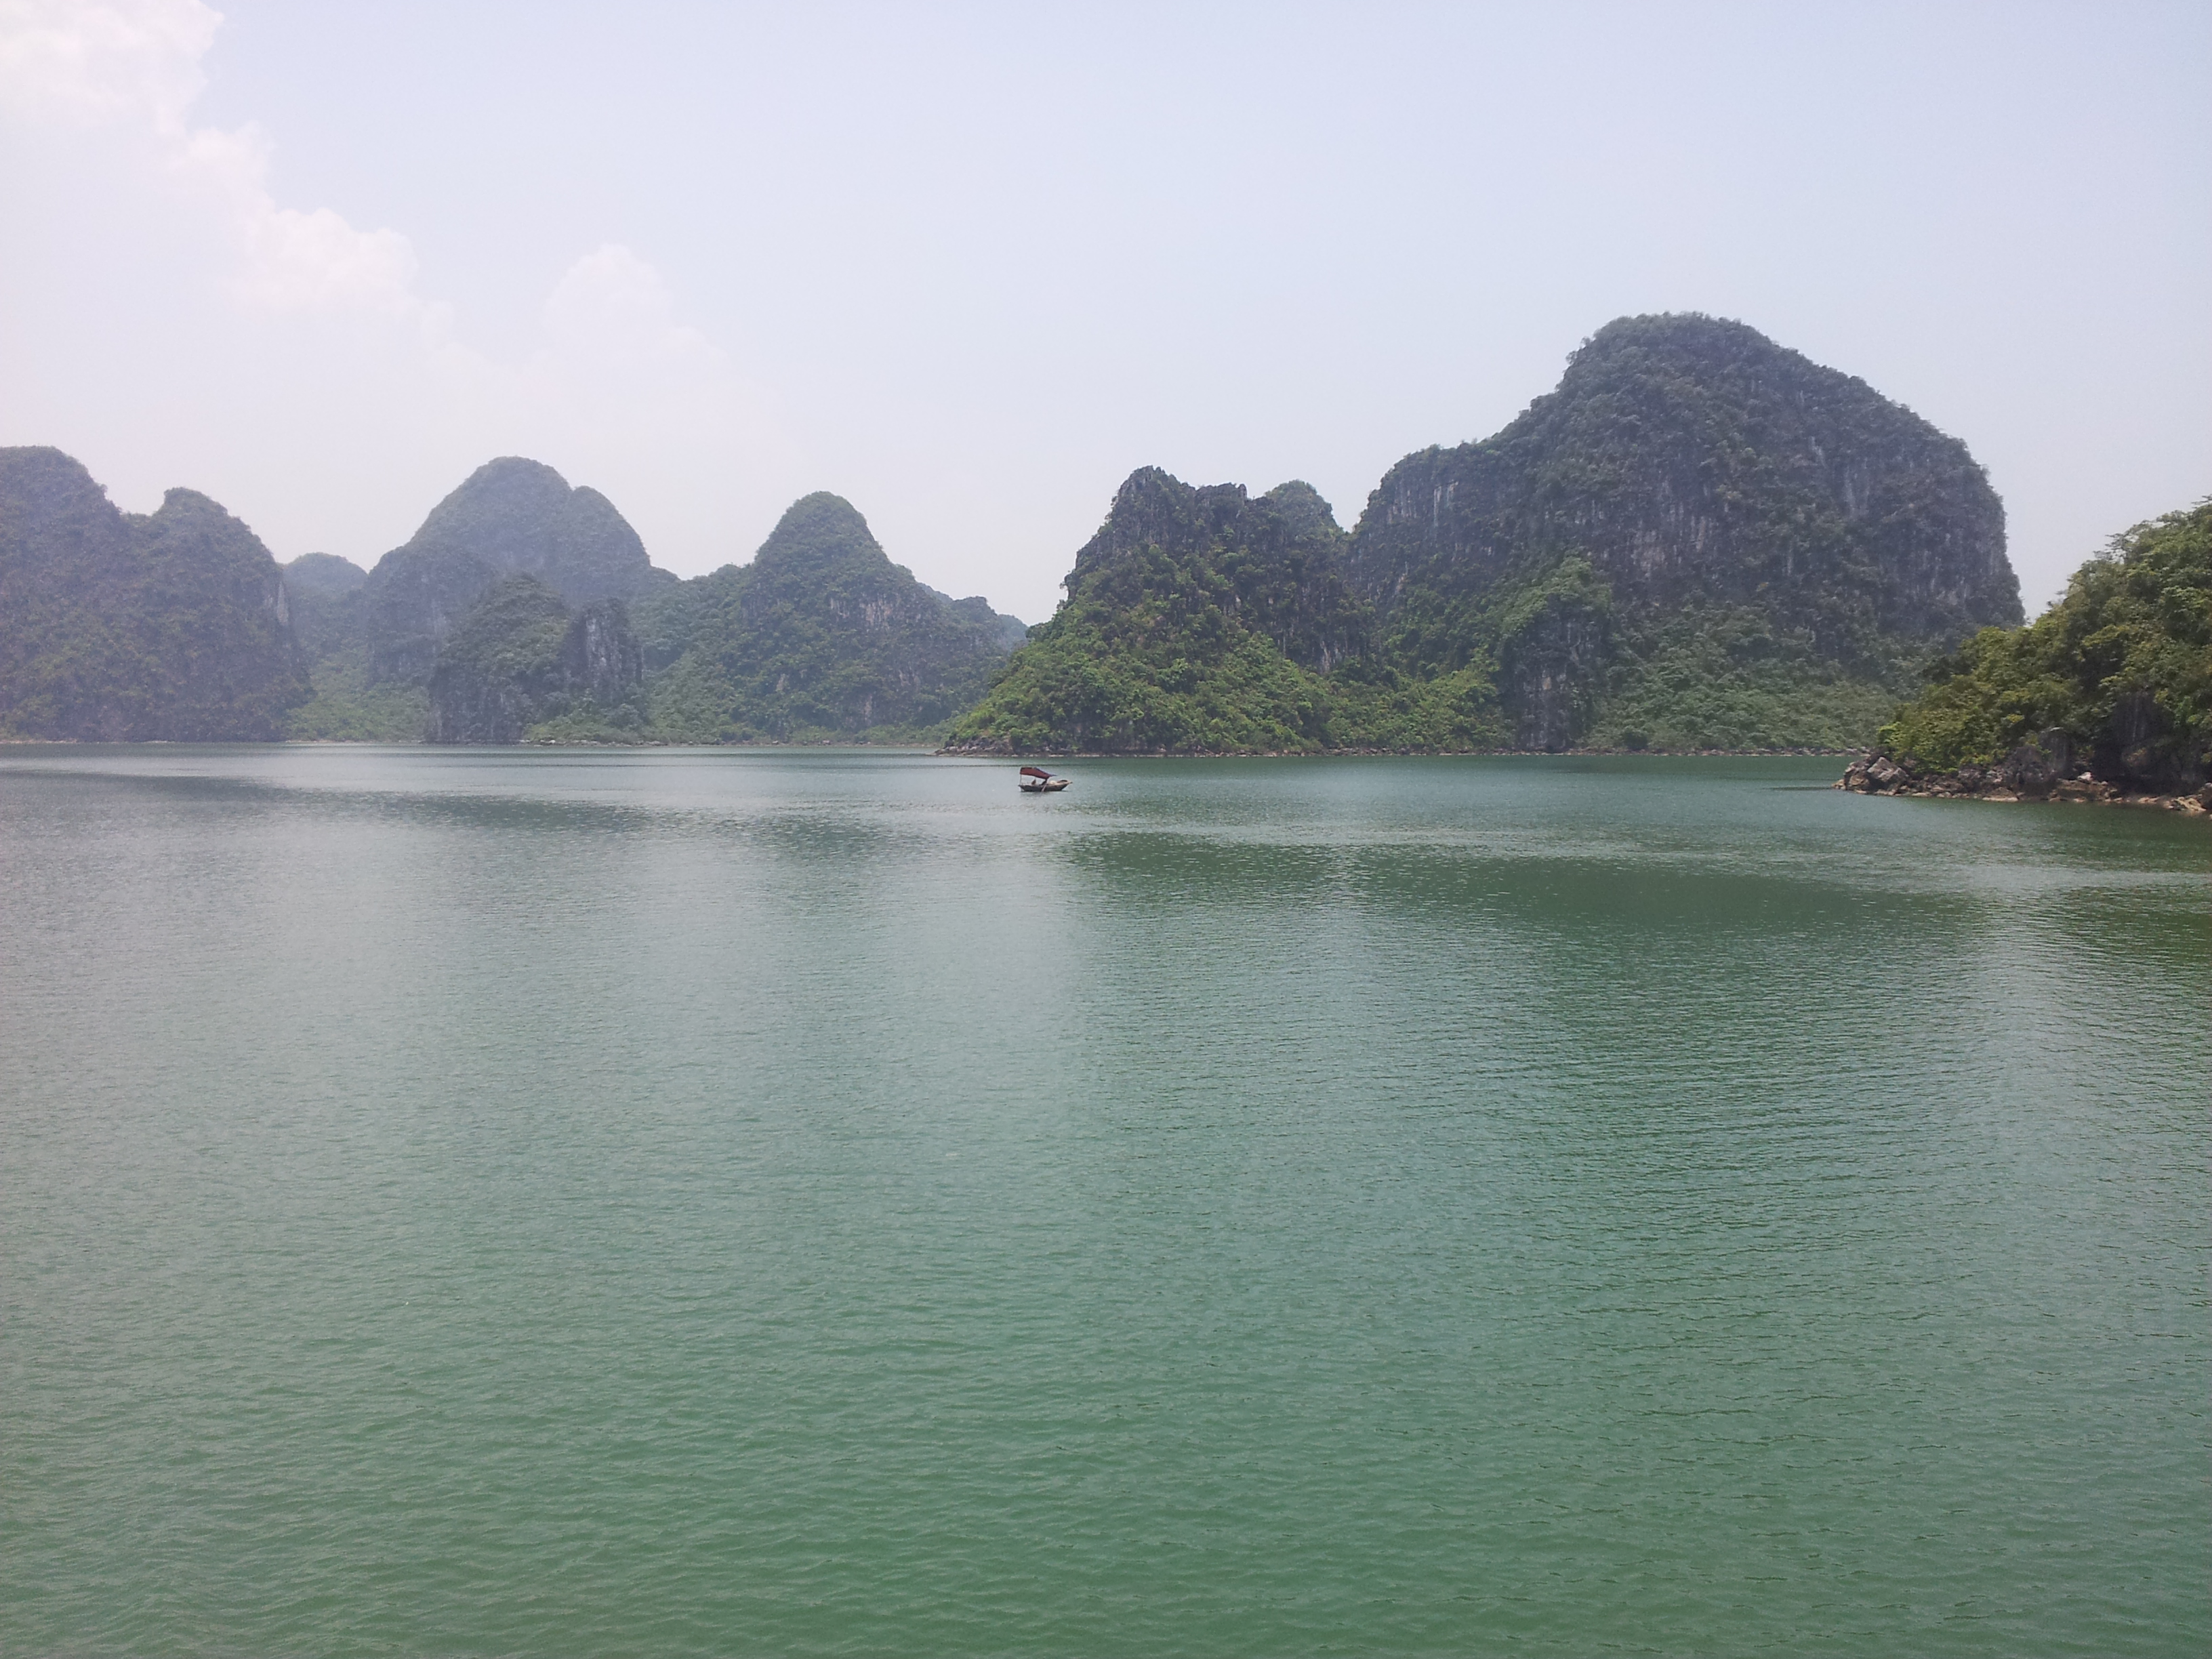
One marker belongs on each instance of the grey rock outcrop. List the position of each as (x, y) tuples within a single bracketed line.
[(2047, 769)]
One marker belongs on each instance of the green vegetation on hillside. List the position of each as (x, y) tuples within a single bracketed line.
[(1206, 621), (1698, 540), (2121, 664), (114, 627), (330, 614), (373, 639), (521, 663), (820, 637)]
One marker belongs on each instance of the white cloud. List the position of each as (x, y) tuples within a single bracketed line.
[(82, 62), (291, 260), (611, 306), (86, 62)]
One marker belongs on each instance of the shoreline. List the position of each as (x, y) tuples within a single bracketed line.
[(2028, 775), (923, 746)]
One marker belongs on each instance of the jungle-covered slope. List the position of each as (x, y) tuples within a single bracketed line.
[(821, 636), (129, 627), (1203, 619), (2119, 670), (522, 663), (1699, 539)]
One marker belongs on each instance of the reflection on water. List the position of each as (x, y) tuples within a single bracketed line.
[(517, 1201)]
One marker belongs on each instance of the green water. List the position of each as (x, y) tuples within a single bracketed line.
[(798, 1203)]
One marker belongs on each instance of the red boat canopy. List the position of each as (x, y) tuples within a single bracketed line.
[(1035, 772)]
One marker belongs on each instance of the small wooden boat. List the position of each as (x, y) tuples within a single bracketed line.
[(1035, 780)]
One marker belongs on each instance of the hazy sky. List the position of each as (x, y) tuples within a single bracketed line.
[(968, 265)]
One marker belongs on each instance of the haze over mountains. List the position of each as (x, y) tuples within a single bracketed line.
[(1698, 539)]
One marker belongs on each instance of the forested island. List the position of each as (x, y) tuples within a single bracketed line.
[(1698, 540), (2107, 696)]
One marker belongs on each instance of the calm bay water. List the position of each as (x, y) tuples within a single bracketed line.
[(823, 1202)]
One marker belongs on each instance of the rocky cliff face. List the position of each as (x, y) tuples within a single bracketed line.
[(1690, 460), (1551, 665), (1700, 471), (820, 636), (511, 517), (520, 658), (174, 625)]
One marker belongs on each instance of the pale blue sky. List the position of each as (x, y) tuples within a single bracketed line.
[(968, 265)]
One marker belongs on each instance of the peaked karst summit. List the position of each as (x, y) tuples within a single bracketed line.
[(510, 517), (523, 608), (821, 635), (1693, 503)]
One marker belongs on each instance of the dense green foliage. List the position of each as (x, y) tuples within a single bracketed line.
[(521, 661), (1724, 676), (1700, 540), (113, 627), (2121, 664), (346, 708), (820, 637), (1202, 620)]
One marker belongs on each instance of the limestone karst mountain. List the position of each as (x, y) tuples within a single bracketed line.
[(174, 625), (1699, 536), (520, 659), (1197, 619), (510, 517), (820, 637), (1699, 539), (327, 604), (375, 644)]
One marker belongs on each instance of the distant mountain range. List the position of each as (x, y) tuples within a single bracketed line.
[(518, 609), (1699, 539)]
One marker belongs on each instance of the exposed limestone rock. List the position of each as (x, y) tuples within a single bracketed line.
[(520, 658)]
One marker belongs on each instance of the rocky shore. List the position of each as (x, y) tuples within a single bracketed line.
[(2046, 769)]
